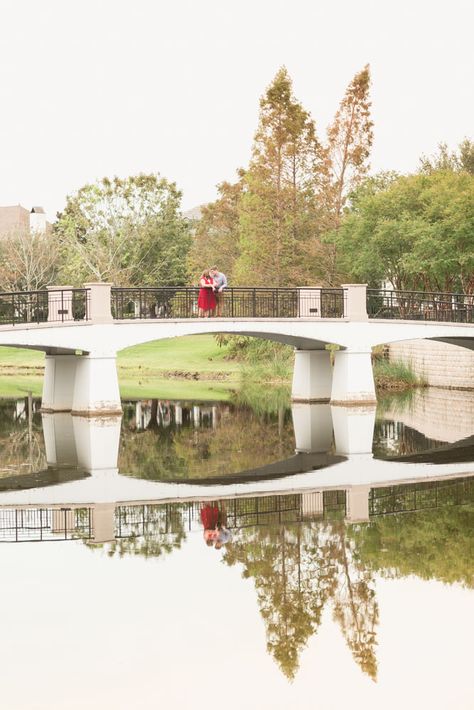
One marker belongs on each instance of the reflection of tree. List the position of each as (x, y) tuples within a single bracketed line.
[(22, 450), (148, 530), (240, 440), (297, 569), (355, 605), (146, 546), (432, 544)]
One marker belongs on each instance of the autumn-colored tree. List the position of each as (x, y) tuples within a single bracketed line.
[(277, 206), (350, 139), (299, 568), (216, 237)]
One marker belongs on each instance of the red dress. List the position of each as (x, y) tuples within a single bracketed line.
[(210, 516), (207, 297)]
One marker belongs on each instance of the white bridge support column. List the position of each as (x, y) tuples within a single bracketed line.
[(312, 376), (59, 440), (353, 429), (96, 390), (353, 379), (58, 383), (312, 424)]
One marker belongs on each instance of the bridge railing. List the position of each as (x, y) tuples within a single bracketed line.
[(176, 302), (411, 497), (43, 524), (420, 305), (53, 306)]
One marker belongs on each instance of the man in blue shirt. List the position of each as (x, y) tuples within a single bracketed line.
[(220, 281)]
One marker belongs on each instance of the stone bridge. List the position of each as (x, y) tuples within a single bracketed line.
[(81, 331)]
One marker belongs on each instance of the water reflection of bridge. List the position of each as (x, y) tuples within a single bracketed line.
[(105, 522)]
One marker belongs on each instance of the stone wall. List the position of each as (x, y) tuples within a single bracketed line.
[(441, 365), (437, 414)]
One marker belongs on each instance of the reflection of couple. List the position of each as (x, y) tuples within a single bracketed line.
[(211, 292), (214, 520)]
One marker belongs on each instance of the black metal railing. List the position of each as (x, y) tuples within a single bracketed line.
[(420, 305), (177, 302), (412, 497), (52, 306), (43, 524), (165, 518)]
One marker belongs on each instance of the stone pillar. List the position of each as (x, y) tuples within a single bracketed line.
[(63, 521), (97, 443), (353, 380), (357, 504), (99, 302), (58, 383), (103, 522), (312, 376), (312, 504), (60, 304), (312, 424), (309, 303), (96, 390), (353, 429), (356, 301), (59, 440)]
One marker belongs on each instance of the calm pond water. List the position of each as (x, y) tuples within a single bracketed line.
[(222, 553)]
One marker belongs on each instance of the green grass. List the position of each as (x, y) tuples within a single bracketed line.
[(195, 353), (395, 375), (19, 385), (142, 370), (20, 358)]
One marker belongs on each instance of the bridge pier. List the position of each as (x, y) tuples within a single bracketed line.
[(58, 383), (59, 440), (83, 384), (312, 424), (97, 443), (96, 390), (312, 376), (90, 443), (353, 379), (353, 429)]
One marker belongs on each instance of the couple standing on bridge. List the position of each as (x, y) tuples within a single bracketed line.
[(211, 293), (214, 520)]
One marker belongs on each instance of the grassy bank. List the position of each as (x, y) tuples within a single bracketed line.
[(193, 367), (395, 375), (189, 367)]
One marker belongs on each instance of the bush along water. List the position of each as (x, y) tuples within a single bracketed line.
[(395, 375)]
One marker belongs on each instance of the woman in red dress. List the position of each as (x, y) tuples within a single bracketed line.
[(206, 298)]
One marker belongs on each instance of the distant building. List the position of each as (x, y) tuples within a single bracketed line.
[(16, 219), (194, 213)]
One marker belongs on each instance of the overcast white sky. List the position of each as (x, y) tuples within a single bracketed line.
[(116, 87)]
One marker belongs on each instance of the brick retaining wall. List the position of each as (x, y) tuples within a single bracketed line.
[(440, 364), (437, 414)]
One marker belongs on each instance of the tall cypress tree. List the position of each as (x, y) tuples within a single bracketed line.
[(350, 138), (277, 207)]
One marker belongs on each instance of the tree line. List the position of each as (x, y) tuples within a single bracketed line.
[(305, 211)]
